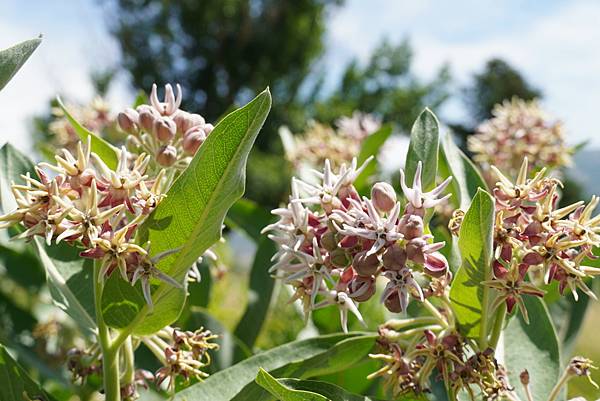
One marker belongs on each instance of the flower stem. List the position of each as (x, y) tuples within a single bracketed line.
[(110, 356), (558, 387), (435, 312), (129, 374), (498, 325)]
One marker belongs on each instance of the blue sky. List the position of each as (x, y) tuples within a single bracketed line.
[(555, 43)]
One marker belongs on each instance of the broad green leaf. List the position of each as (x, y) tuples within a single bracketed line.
[(13, 163), (568, 317), (300, 359), (424, 147), (108, 153), (370, 147), (466, 177), (284, 393), (331, 391), (259, 295), (70, 281), (190, 218), (475, 243), (199, 292), (16, 383), (534, 347), (13, 58)]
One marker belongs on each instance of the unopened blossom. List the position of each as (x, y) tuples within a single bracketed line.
[(519, 129), (333, 244)]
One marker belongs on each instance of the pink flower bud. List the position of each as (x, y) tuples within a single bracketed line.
[(208, 128), (414, 250), (164, 129), (167, 155), (383, 196), (394, 257), (147, 115), (185, 121), (128, 120), (365, 265), (435, 264), (411, 226), (192, 140), (361, 288)]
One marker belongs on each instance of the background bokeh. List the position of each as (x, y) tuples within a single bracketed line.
[(322, 59)]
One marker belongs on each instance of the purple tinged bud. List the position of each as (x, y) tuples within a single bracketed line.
[(164, 129), (411, 226), (208, 128), (394, 257), (128, 120), (383, 196), (414, 250), (365, 265), (192, 140), (147, 115), (167, 155), (185, 121), (361, 288)]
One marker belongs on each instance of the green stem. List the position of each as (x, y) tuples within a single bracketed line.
[(129, 374), (558, 387), (435, 312), (498, 325), (110, 355)]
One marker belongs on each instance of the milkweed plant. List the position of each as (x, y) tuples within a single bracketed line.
[(467, 295)]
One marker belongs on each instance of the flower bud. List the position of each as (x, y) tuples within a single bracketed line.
[(147, 115), (185, 121), (339, 258), (383, 196), (192, 140), (164, 129), (394, 257), (435, 264), (365, 265), (414, 250), (167, 155), (411, 226), (392, 302), (208, 128), (128, 120), (361, 288), (329, 241)]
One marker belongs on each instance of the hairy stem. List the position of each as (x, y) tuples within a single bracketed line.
[(110, 355), (498, 325)]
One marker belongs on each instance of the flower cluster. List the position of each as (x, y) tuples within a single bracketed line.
[(172, 136), (411, 354), (320, 142), (94, 116), (536, 242), (91, 206), (517, 130), (182, 353), (333, 244)]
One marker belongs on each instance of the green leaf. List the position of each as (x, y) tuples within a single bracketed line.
[(13, 163), (534, 347), (284, 393), (259, 295), (70, 280), (467, 295), (466, 177), (108, 153), (16, 383), (424, 147), (13, 58), (370, 147), (190, 218), (301, 359), (331, 391), (568, 316)]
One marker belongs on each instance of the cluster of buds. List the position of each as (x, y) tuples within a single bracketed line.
[(333, 244), (172, 136), (410, 355), (94, 116), (88, 205), (517, 130), (83, 364), (182, 354), (321, 142), (535, 241)]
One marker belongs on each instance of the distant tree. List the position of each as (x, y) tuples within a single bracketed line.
[(223, 52), (498, 81)]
